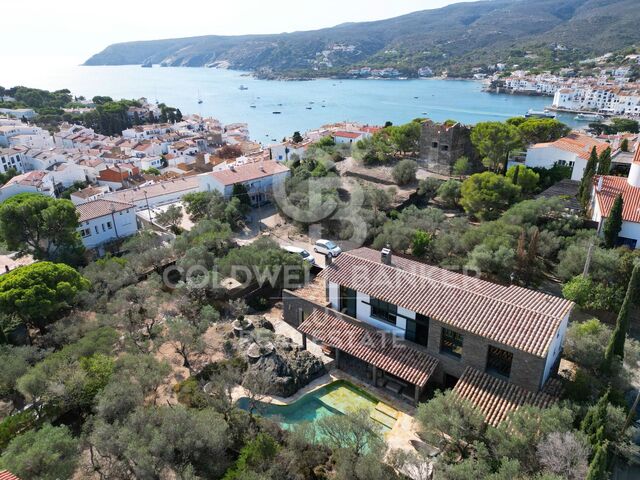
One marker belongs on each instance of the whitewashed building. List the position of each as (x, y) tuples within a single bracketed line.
[(571, 151), (102, 221), (606, 190)]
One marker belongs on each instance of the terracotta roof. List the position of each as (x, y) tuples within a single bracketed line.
[(347, 134), (514, 316), (248, 172), (88, 192), (7, 475), (33, 178), (132, 195), (636, 157), (577, 143), (100, 208), (497, 398), (373, 346), (611, 188)]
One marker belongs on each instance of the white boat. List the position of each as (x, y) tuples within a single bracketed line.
[(589, 117), (539, 114), (243, 87)]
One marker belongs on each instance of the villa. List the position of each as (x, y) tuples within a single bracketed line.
[(606, 190), (403, 325)]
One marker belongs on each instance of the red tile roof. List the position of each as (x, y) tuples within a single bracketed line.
[(611, 188), (577, 143), (373, 346), (496, 398), (7, 475), (248, 172), (100, 208), (347, 134), (517, 317)]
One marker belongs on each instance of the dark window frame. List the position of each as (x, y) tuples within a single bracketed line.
[(384, 311), (451, 343), (497, 360)]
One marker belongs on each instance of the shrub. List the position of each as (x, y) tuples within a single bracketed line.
[(405, 172), (449, 193), (486, 195)]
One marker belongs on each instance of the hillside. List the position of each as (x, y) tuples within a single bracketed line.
[(458, 36)]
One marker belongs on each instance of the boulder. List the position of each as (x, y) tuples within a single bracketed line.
[(284, 370)]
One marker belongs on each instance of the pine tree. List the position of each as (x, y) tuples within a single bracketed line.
[(613, 224), (596, 418), (604, 162), (598, 466), (619, 335)]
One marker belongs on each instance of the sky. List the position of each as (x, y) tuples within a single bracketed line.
[(79, 28)]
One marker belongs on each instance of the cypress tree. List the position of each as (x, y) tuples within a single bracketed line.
[(596, 418), (613, 224), (516, 173), (598, 466), (584, 192), (604, 162), (616, 344)]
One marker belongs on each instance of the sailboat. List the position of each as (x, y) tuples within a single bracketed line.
[(199, 98)]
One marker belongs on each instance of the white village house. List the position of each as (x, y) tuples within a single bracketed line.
[(572, 151), (102, 221), (606, 190)]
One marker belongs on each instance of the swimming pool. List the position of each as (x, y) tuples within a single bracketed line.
[(337, 398)]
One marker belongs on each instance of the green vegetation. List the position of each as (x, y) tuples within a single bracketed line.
[(404, 172), (494, 141), (40, 225), (486, 195), (109, 117), (613, 223)]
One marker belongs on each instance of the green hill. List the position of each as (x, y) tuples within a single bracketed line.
[(456, 37)]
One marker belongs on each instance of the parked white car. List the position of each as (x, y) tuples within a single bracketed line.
[(327, 247), (302, 252)]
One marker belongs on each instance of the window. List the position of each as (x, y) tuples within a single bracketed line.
[(434, 144), (109, 226), (451, 343), (382, 310), (499, 362), (444, 148), (418, 330), (348, 301), (85, 232)]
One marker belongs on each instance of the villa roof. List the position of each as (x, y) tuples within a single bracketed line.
[(100, 208), (497, 398), (347, 134), (132, 195), (611, 188), (373, 346), (577, 143), (517, 317), (248, 172), (7, 475)]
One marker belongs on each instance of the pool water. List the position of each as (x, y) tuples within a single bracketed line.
[(337, 398)]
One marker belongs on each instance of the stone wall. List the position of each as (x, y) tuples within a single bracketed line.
[(526, 369)]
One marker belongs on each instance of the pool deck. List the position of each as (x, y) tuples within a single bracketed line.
[(403, 431)]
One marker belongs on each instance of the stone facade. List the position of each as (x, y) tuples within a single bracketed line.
[(526, 369), (442, 144)]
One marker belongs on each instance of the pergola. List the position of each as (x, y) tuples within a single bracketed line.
[(380, 349)]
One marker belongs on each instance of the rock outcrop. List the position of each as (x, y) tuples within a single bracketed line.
[(281, 368)]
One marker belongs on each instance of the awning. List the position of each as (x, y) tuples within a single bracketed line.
[(383, 350)]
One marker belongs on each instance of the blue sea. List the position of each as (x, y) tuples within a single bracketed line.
[(303, 105)]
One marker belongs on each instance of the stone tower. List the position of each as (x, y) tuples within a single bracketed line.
[(441, 144)]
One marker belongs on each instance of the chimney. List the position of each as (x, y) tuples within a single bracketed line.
[(385, 255), (328, 260), (600, 182)]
